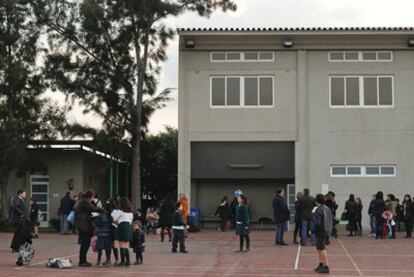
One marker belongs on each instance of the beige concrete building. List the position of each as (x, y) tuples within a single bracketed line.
[(325, 109)]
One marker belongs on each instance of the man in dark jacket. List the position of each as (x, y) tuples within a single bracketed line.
[(66, 206), (306, 205), (378, 209), (83, 222), (18, 221), (281, 215), (166, 210)]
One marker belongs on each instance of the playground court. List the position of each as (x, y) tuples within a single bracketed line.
[(212, 254)]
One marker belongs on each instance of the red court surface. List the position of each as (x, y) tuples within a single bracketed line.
[(212, 254)]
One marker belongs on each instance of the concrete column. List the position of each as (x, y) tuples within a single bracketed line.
[(302, 140), (184, 178)]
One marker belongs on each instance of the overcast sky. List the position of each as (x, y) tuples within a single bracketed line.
[(277, 13)]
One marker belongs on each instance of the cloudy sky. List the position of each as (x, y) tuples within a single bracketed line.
[(277, 13)]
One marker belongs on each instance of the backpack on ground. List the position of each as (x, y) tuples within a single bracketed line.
[(60, 263), (327, 220)]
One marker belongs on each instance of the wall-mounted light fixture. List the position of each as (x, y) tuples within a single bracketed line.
[(411, 42), (189, 43), (287, 43)]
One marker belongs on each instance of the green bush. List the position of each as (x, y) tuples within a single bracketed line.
[(55, 223)]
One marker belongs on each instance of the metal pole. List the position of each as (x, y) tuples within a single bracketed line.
[(111, 179), (117, 178)]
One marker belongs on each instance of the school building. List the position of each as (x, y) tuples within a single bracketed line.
[(318, 108), (80, 160)]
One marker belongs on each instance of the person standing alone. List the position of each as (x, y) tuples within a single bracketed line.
[(281, 215), (306, 205)]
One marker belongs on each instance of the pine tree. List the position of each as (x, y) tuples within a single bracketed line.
[(108, 55)]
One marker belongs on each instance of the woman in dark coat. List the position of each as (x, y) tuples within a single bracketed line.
[(351, 214), (166, 211), (223, 211), (242, 223), (298, 220), (359, 215), (83, 222), (378, 209), (408, 214), (34, 217)]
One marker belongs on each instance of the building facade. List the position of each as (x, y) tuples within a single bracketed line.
[(324, 109)]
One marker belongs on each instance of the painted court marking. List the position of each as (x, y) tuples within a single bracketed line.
[(350, 258), (297, 258)]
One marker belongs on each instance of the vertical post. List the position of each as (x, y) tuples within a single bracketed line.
[(117, 178), (127, 179), (111, 179)]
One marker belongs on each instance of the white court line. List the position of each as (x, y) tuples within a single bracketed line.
[(297, 258), (43, 262), (350, 258)]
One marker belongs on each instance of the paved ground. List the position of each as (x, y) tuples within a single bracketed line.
[(212, 254)]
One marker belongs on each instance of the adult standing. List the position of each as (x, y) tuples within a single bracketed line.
[(408, 214), (359, 207), (377, 210), (18, 218), (306, 205), (233, 206), (322, 230), (351, 215), (298, 219), (34, 217), (166, 211), (331, 204), (281, 215), (372, 220), (83, 222), (66, 206), (223, 211)]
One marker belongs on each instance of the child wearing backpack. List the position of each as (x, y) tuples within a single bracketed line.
[(138, 241), (103, 223), (322, 230)]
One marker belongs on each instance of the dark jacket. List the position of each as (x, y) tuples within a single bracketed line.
[(166, 210), (306, 205), (281, 211), (138, 240), (332, 206), (66, 204), (351, 210), (17, 211), (378, 207), (371, 208), (103, 223), (408, 210), (242, 215), (177, 219), (298, 217), (223, 211), (83, 217), (358, 212), (21, 235), (34, 213), (319, 221)]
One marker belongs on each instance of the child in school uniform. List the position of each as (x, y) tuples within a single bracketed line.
[(138, 241), (178, 226), (103, 223), (124, 230)]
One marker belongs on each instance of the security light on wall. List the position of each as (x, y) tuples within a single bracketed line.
[(287, 43), (189, 43), (411, 42)]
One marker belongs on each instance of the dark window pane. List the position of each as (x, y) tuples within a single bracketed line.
[(40, 197), (352, 91), (351, 56), (338, 170), (337, 91), (250, 91), (266, 56), (384, 56), (336, 56), (233, 56), (218, 92), (372, 170), (354, 170), (385, 90), (266, 91), (387, 170), (233, 91), (369, 56), (39, 188), (251, 56), (370, 91), (218, 56)]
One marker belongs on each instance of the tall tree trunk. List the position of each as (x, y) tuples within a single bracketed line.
[(4, 178)]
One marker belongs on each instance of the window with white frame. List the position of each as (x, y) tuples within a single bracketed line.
[(363, 170), (251, 56), (360, 56), (361, 91), (241, 91)]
